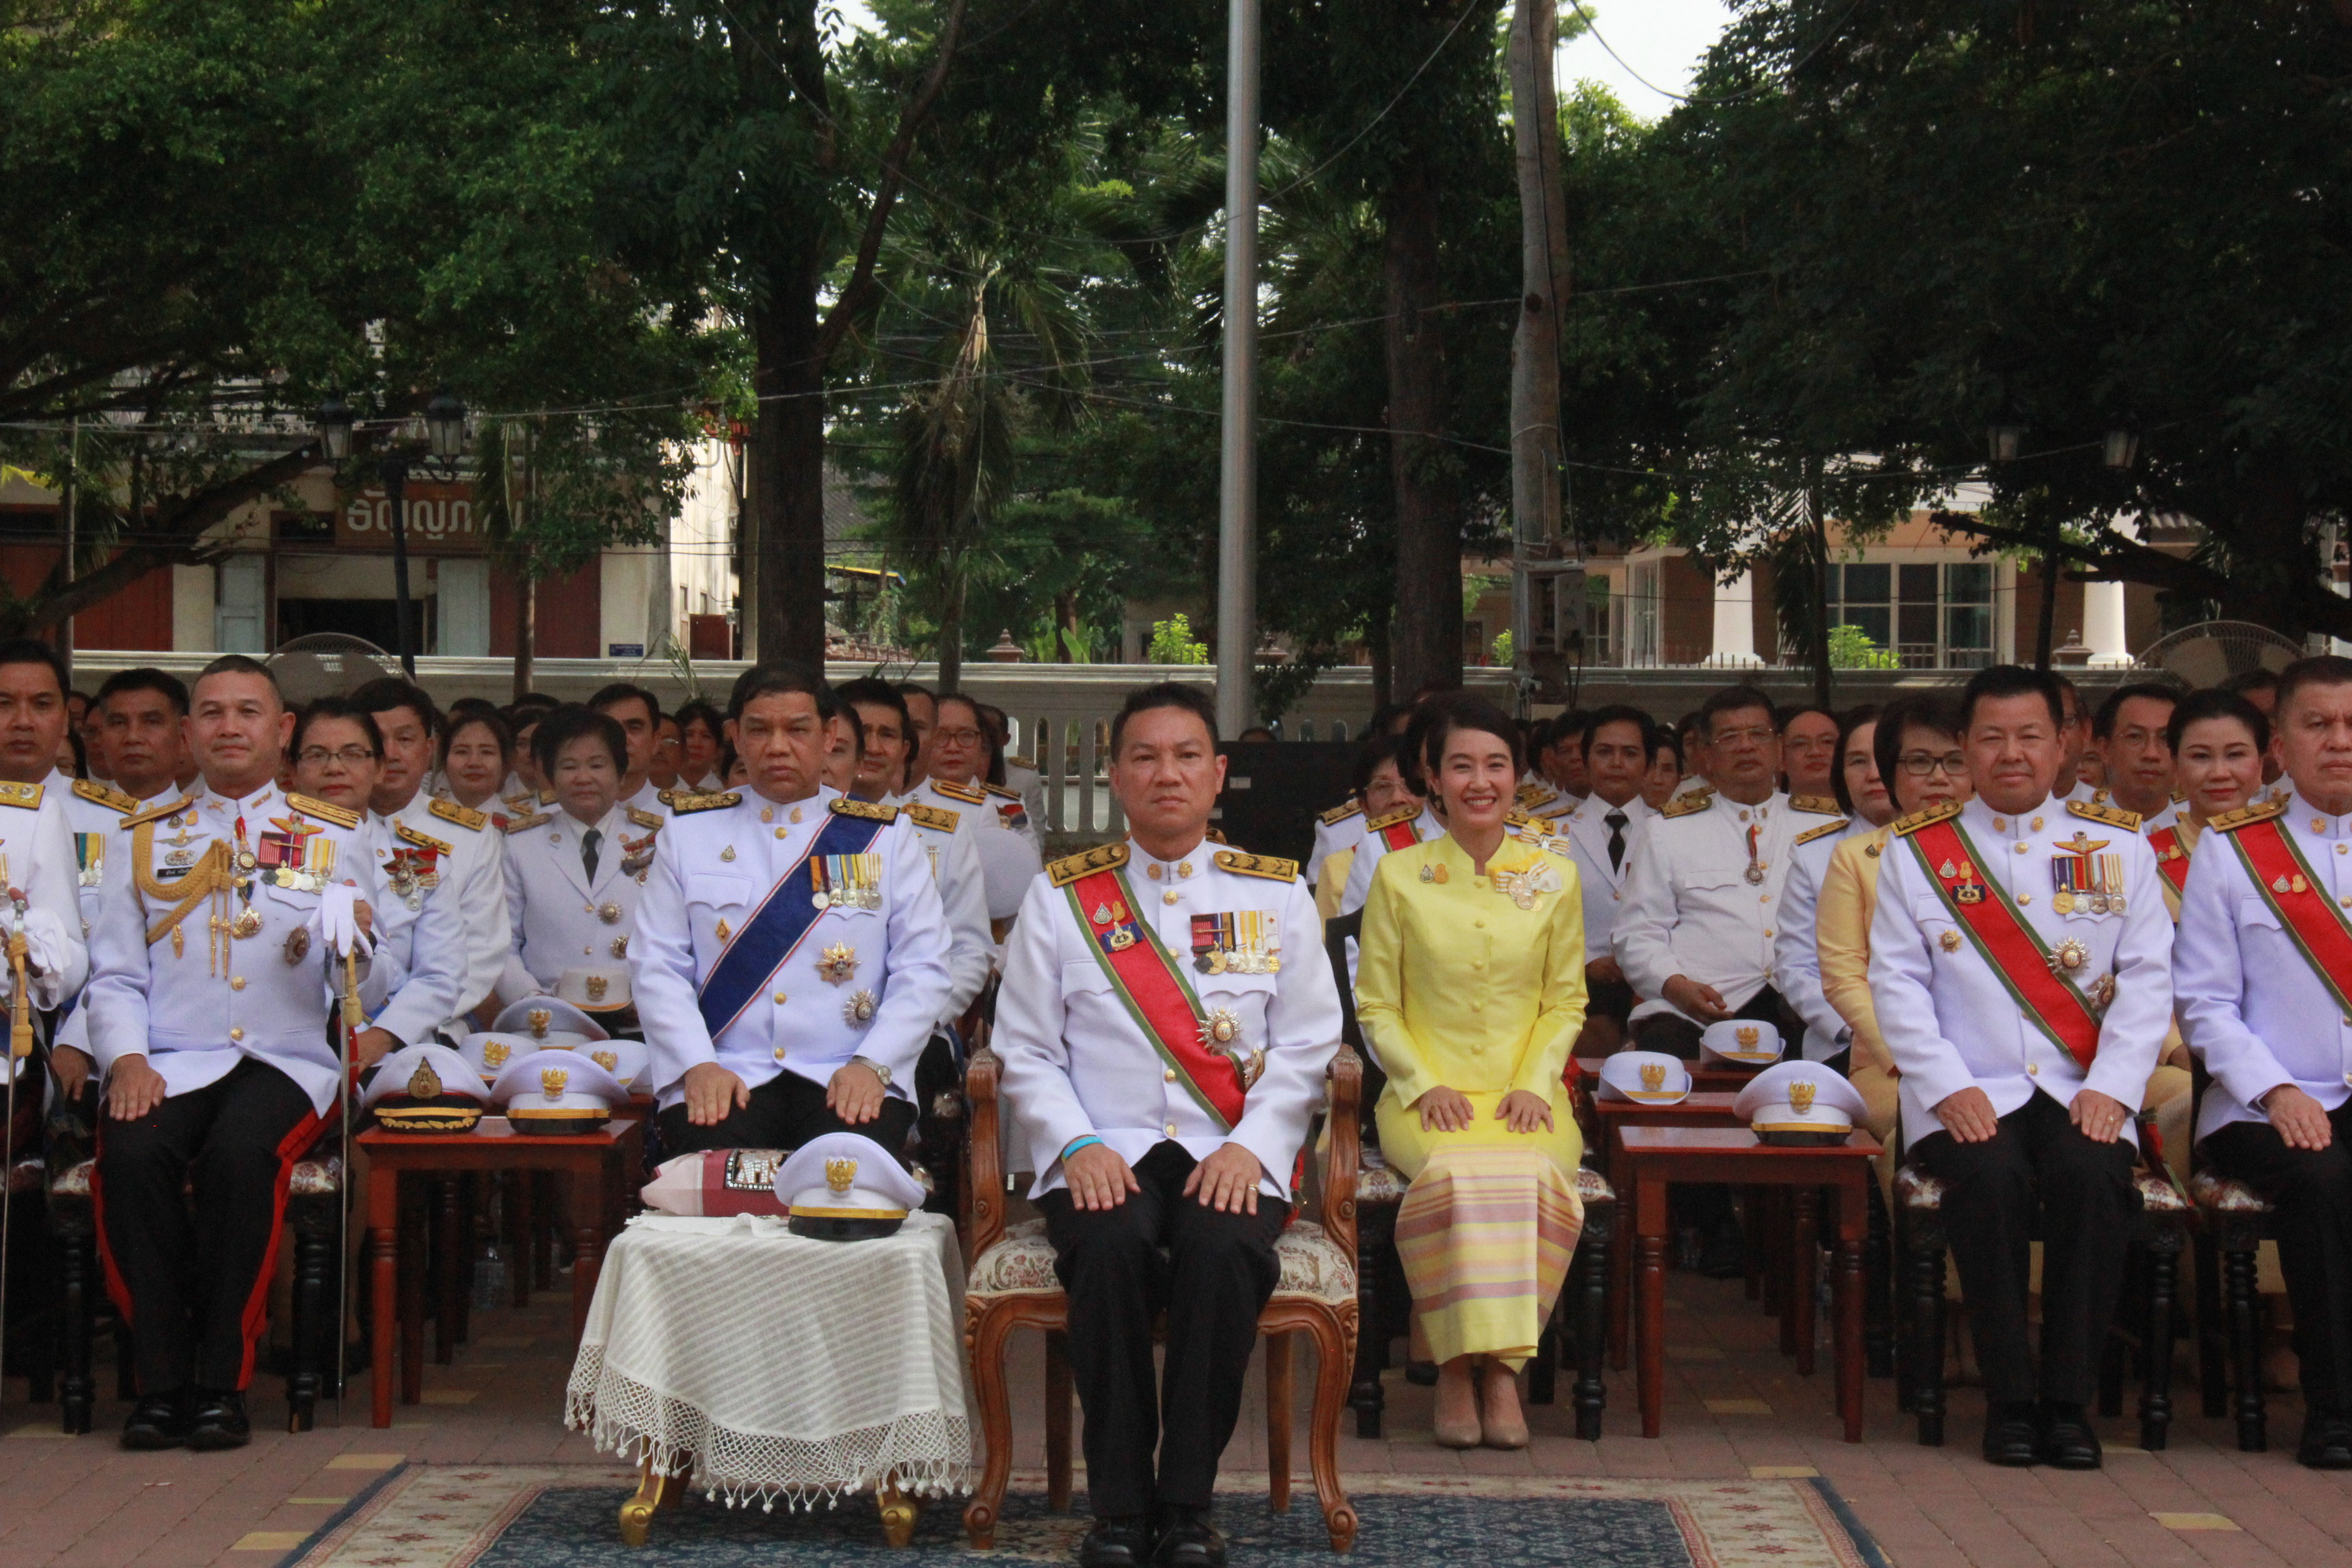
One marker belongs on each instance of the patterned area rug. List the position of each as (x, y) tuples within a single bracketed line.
[(432, 1516)]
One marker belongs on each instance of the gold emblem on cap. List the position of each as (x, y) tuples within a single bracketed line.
[(1746, 1035), (539, 1019), (1800, 1095), (596, 985), (1653, 1078), (425, 1083), (839, 1173), (609, 1060), (552, 1081), (495, 1053)]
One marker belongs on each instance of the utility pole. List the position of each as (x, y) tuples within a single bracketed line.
[(70, 503), (1237, 469), (1539, 567)]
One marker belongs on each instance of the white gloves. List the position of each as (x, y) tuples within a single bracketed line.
[(337, 922), (48, 950)]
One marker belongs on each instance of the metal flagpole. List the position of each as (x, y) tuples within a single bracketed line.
[(352, 1018), (1237, 472)]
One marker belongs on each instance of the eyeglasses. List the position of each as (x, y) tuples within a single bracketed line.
[(957, 737), (1758, 735), (349, 756), (1919, 764)]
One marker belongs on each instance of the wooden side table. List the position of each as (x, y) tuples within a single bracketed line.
[(601, 1163), (1657, 1157), (1701, 1107)]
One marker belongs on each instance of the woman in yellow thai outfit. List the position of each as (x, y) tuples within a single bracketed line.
[(1470, 991)]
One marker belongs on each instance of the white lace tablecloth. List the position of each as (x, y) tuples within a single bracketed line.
[(780, 1367)]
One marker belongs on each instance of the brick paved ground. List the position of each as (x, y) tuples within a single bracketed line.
[(84, 1503)]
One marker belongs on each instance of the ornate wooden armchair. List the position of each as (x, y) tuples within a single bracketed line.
[(1012, 1285)]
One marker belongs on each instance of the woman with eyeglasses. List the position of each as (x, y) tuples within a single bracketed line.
[(967, 770), (1863, 799), (337, 751), (1916, 756)]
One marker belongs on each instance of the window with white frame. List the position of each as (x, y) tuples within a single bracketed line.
[(1935, 615)]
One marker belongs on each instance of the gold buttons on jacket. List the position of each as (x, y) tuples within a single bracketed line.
[(780, 998), (237, 982), (2034, 1069), (1168, 1075), (1171, 1129), (2021, 849), (1169, 897), (2001, 825), (236, 1034), (780, 1052), (1153, 871)]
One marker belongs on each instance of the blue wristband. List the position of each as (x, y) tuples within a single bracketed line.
[(1089, 1140)]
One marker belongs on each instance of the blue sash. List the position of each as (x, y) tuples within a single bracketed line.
[(777, 926)]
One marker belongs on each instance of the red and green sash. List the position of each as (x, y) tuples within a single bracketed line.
[(1150, 981), (1402, 834), (2291, 889), (2171, 857), (1982, 908)]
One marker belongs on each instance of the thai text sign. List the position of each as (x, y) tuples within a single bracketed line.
[(441, 520)]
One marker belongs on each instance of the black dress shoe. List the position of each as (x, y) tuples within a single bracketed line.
[(1123, 1542), (2327, 1441), (160, 1421), (1187, 1539), (2067, 1441), (220, 1421), (2010, 1431)]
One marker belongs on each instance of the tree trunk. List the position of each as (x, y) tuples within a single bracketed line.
[(526, 592), (1535, 348), (1376, 643), (786, 511), (1065, 627), (2047, 620), (1428, 637), (951, 633), (1817, 630)]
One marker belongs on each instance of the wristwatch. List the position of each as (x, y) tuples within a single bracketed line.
[(870, 1065)]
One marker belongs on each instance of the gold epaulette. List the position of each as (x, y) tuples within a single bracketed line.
[(1925, 816), (1217, 835), (645, 818), (1388, 819), (464, 817), (1018, 763), (2113, 816), (422, 840), (547, 798), (2179, 796), (105, 794), (1272, 867), (1087, 862), (1516, 819), (339, 815), (24, 794), (937, 817), (154, 812), (525, 824), (1007, 791), (873, 810), (2231, 821), (1531, 790), (682, 803), (1815, 805), (1823, 831), (663, 795), (1689, 805), (971, 794), (1339, 814)]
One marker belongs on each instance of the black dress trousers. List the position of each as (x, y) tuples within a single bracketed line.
[(2087, 1205), (785, 1112), (194, 1286), (2313, 1192), (1213, 1278)]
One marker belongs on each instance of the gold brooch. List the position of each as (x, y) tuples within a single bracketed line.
[(1949, 942), (722, 931), (609, 913), (298, 944), (539, 1018), (859, 1008), (2069, 957), (620, 947), (728, 853), (1800, 1095), (840, 1175), (1220, 1026), (838, 964), (552, 1081)]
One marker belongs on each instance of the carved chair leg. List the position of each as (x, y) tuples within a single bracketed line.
[(986, 1332), (78, 1389), (1592, 1250), (1333, 1352), (2156, 1390), (2212, 1342), (1057, 1421), (1543, 1365), (1927, 1271), (2246, 1348), (656, 1491), (1878, 1287), (1279, 1409), (314, 1311)]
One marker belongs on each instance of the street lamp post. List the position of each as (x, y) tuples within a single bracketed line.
[(444, 443)]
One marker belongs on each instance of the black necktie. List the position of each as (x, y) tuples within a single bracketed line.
[(1616, 821), (588, 842)]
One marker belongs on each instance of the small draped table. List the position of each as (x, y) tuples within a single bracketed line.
[(730, 1357)]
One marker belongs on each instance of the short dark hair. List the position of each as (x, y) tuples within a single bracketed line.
[(2067, 691), (1163, 694), (2321, 669), (1386, 714), (1854, 719), (1790, 713), (335, 706), (472, 705), (2103, 722), (146, 678), (1574, 724), (236, 664), (490, 719), (1664, 739), (1617, 713), (1934, 710), (2217, 702), (2003, 681), (704, 713), (387, 692), (621, 691), (1442, 715), (881, 694), (782, 679), (1386, 749), (534, 701), (916, 688), (33, 650), (1733, 700), (568, 724), (2258, 678)]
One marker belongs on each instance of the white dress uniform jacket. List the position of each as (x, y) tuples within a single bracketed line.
[(92, 810), (988, 805), (37, 858), (1949, 1020), (714, 866), (947, 840), (197, 1005), (1796, 941), (1584, 833), (1078, 1063), (1341, 827), (2251, 1006), (658, 801), (1689, 908), (1029, 784), (420, 935), (476, 869), (558, 917), (1368, 850)]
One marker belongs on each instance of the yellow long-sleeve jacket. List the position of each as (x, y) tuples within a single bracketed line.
[(1849, 900), (1459, 986)]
